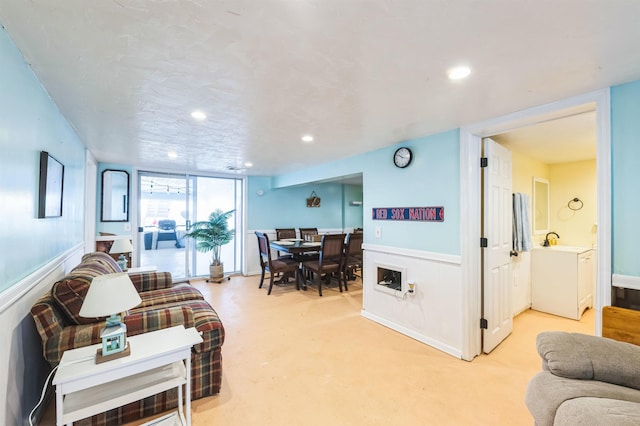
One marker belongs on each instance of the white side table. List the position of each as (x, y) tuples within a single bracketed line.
[(159, 360)]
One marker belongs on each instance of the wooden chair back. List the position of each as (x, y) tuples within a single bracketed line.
[(280, 265), (282, 233), (304, 232), (353, 246), (331, 248)]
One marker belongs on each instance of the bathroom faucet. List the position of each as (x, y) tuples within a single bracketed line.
[(546, 238)]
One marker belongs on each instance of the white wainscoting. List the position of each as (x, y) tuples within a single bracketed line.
[(24, 369), (625, 281), (433, 314)]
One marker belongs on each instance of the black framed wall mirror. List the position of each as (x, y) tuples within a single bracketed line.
[(115, 196)]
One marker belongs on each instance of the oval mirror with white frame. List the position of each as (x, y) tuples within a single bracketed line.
[(540, 206), (115, 196)]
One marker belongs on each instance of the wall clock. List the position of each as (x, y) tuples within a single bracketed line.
[(402, 157)]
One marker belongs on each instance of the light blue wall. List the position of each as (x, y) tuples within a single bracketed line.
[(625, 147), (287, 207), (352, 214), (29, 123), (432, 179)]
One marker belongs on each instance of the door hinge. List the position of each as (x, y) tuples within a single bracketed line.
[(484, 243), (484, 324), (484, 162)]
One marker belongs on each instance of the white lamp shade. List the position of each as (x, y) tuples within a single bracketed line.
[(109, 294), (121, 245)]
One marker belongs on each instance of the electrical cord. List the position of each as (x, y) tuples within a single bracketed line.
[(44, 387)]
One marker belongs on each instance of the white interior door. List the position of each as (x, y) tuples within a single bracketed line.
[(497, 228)]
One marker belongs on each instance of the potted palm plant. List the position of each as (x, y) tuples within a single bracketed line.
[(210, 235)]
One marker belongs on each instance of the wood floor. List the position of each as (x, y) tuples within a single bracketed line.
[(294, 358)]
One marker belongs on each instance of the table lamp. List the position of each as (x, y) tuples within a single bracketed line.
[(109, 295), (121, 246)]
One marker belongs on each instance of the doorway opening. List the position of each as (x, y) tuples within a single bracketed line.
[(168, 204), (553, 164), (471, 202)]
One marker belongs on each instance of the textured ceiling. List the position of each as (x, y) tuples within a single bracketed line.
[(356, 74)]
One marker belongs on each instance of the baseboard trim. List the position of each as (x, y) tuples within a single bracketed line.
[(411, 333)]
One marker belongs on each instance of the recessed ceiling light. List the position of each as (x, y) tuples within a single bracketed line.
[(248, 164), (198, 115), (458, 73), (307, 138), (172, 154)]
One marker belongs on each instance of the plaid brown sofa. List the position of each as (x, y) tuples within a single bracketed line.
[(164, 304)]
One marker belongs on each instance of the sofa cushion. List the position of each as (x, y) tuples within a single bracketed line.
[(99, 260), (598, 411), (206, 321), (177, 293), (70, 291), (147, 281), (581, 356), (69, 294)]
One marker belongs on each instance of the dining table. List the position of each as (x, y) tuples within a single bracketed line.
[(295, 246), (298, 248)]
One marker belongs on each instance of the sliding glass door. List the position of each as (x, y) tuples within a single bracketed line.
[(224, 194), (168, 205)]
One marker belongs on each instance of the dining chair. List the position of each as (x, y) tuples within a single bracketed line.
[(284, 264), (352, 258), (284, 233), (329, 259), (304, 232)]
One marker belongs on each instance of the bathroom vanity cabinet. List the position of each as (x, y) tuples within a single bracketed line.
[(562, 280)]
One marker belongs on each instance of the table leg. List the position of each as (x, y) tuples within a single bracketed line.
[(188, 389), (58, 406), (181, 402)]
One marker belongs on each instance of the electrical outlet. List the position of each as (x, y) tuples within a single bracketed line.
[(378, 232)]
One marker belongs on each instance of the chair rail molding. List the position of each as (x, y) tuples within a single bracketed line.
[(625, 281)]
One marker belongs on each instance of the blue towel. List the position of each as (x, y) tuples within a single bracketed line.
[(521, 223)]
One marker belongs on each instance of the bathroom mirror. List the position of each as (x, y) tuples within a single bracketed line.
[(540, 206), (115, 196)]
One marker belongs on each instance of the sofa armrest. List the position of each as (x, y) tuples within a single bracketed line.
[(77, 336), (146, 281), (580, 356), (71, 337), (157, 319)]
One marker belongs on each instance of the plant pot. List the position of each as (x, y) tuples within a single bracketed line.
[(216, 271)]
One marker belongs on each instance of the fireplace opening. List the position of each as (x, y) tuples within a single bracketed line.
[(389, 278)]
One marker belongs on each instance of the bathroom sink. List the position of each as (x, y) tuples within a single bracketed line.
[(575, 249)]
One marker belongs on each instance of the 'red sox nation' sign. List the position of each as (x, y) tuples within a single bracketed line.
[(419, 214)]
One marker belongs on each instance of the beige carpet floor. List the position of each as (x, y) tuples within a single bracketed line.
[(294, 358)]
